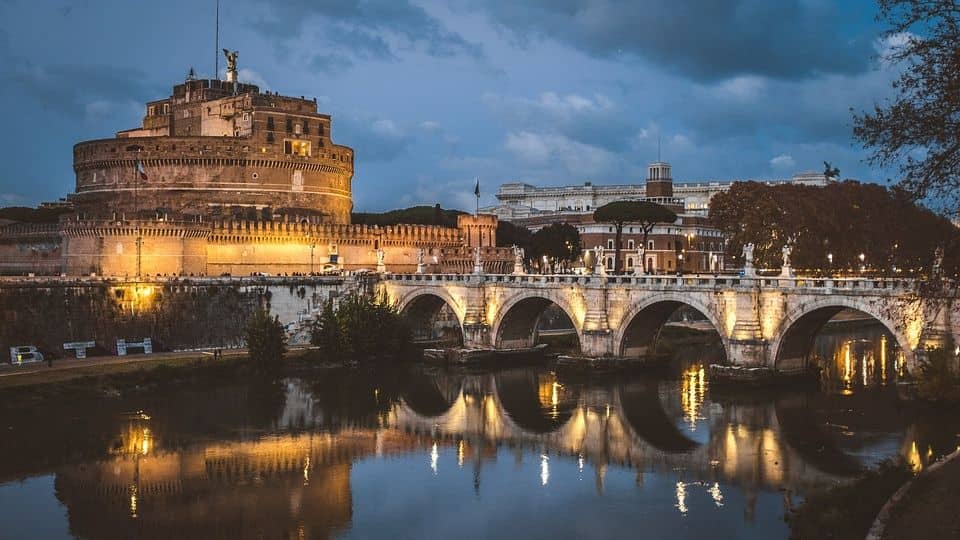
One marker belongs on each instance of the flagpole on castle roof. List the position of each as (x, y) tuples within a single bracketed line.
[(476, 192)]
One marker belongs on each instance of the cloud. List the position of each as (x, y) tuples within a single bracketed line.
[(376, 140), (559, 155), (362, 30), (430, 126), (705, 41), (594, 120), (783, 161)]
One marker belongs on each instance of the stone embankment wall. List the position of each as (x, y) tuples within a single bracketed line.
[(175, 314)]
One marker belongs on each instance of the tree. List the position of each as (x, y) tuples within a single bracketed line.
[(509, 234), (558, 241), (916, 132), (830, 172), (643, 213), (266, 341), (842, 219)]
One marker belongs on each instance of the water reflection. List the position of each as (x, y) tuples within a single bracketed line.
[(426, 453), (863, 357)]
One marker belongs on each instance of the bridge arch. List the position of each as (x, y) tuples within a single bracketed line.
[(421, 307), (641, 325), (791, 344), (515, 322)]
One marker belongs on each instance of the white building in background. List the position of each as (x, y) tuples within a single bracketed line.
[(519, 200)]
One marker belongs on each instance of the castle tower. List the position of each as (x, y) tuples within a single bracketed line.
[(659, 180), (478, 230)]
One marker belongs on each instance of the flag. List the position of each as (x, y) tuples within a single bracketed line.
[(476, 190), (141, 171)]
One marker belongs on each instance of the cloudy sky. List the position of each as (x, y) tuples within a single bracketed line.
[(431, 94)]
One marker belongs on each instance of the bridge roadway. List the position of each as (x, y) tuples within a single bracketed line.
[(766, 322)]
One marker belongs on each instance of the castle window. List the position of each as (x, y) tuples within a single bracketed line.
[(270, 123), (289, 125), (270, 136), (306, 127), (609, 244), (296, 148), (297, 129), (166, 108), (320, 130), (650, 244), (151, 110), (629, 244)]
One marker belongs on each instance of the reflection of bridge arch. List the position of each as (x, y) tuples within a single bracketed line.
[(640, 406), (794, 338), (421, 309), (430, 396), (641, 326), (533, 405), (516, 321)]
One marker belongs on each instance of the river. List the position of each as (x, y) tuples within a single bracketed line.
[(421, 452)]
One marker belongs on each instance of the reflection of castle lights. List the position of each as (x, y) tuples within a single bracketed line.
[(133, 500), (460, 453), (692, 391), (544, 469), (145, 442), (434, 456), (681, 498), (306, 471), (716, 494), (580, 465)]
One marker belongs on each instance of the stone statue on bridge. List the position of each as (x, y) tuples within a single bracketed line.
[(421, 267), (640, 267), (477, 261), (786, 270), (518, 260), (748, 269), (381, 261), (599, 267)]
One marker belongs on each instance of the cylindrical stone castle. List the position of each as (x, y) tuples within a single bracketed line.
[(218, 148)]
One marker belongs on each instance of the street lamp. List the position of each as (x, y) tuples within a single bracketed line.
[(830, 263), (863, 267), (313, 244)]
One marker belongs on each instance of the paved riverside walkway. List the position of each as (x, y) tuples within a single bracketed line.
[(64, 369), (929, 509)]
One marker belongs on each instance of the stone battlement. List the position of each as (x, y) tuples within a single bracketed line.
[(241, 231)]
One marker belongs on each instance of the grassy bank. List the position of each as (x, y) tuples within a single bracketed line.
[(846, 512)]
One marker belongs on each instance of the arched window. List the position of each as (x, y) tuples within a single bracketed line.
[(629, 262), (630, 244), (609, 263), (609, 244)]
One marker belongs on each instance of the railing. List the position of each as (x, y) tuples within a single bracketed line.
[(661, 281)]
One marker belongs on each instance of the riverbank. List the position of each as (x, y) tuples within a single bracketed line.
[(928, 507), (111, 369)]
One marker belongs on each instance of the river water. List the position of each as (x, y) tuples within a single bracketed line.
[(419, 452)]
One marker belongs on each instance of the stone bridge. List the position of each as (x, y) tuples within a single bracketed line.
[(766, 322)]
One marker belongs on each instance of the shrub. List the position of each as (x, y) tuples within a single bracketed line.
[(266, 341), (938, 380), (362, 326)]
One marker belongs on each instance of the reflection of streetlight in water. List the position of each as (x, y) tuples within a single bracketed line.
[(692, 391)]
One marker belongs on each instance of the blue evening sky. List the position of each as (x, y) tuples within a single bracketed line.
[(431, 94)]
